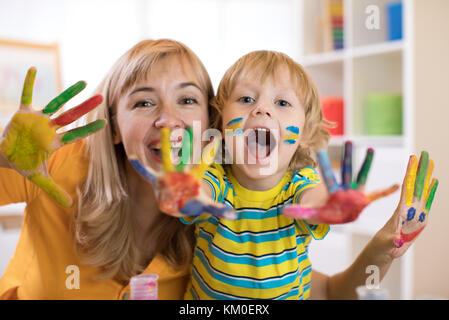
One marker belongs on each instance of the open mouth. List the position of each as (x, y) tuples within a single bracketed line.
[(156, 153), (260, 142)]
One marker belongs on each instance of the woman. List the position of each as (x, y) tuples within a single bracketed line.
[(114, 229)]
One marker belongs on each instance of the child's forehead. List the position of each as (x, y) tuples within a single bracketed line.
[(280, 76)]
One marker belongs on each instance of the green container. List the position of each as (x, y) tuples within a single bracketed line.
[(383, 114)]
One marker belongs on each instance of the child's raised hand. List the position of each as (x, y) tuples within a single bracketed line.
[(179, 190), (345, 202), (30, 137), (416, 200)]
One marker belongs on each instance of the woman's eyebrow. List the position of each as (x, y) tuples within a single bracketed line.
[(183, 85), (149, 89)]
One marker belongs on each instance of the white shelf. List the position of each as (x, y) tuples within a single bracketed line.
[(376, 49), (385, 141), (15, 208)]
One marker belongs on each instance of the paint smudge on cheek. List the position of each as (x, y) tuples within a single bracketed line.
[(28, 141), (291, 138), (235, 125), (51, 188)]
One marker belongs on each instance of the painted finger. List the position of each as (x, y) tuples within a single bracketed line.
[(373, 196), (425, 193), (27, 91), (366, 166), (207, 159), (82, 132), (186, 149), (60, 100), (167, 163), (326, 170), (77, 112), (433, 188), (346, 166), (409, 181), (146, 172), (421, 175), (51, 188)]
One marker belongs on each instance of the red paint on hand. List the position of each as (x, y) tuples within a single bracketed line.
[(176, 189), (77, 112)]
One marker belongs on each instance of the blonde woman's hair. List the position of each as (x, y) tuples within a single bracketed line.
[(104, 222), (267, 64)]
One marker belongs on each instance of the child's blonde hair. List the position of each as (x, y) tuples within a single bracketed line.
[(267, 64), (104, 225)]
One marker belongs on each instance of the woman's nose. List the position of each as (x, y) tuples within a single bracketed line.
[(167, 118)]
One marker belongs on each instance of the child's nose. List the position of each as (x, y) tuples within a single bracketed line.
[(262, 109)]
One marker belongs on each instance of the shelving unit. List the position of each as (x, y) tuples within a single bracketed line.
[(368, 63)]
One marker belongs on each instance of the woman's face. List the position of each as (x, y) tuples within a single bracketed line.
[(169, 97)]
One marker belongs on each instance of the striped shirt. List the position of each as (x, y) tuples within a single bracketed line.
[(260, 255)]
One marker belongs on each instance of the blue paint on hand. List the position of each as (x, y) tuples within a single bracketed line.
[(411, 213)]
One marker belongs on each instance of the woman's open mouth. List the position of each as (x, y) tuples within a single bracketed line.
[(260, 142), (156, 153)]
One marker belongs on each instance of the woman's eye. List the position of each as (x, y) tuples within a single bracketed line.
[(189, 101), (246, 99), (144, 104), (283, 103)]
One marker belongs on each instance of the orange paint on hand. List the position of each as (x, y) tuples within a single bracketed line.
[(28, 141)]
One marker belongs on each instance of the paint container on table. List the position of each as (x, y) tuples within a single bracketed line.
[(144, 287), (364, 293), (333, 111), (394, 21), (383, 114)]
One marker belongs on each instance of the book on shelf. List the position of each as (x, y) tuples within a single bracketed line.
[(330, 31)]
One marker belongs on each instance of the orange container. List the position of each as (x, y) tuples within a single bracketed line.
[(333, 111)]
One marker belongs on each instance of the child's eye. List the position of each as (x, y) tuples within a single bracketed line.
[(246, 99), (283, 103), (144, 104), (188, 101)]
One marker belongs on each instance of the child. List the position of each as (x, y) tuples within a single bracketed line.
[(262, 254)]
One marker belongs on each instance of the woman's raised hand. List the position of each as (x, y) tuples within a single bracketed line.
[(345, 201), (30, 137), (179, 190)]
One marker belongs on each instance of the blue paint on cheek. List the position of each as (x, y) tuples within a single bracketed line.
[(422, 217), (411, 214)]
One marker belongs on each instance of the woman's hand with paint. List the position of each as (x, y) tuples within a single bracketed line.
[(179, 190), (344, 202), (30, 137), (411, 215)]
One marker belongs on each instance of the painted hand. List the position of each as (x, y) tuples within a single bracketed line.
[(30, 137), (346, 201), (179, 190), (416, 200)]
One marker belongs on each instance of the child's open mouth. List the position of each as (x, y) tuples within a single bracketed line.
[(260, 142)]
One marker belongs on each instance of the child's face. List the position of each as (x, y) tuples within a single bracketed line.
[(270, 110), (167, 98)]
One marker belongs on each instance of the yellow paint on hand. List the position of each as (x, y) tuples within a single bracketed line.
[(51, 188), (410, 181), (28, 142), (207, 159), (167, 164)]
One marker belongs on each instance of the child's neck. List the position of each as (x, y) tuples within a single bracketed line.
[(262, 183)]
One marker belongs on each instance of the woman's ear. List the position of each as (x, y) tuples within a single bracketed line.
[(116, 137)]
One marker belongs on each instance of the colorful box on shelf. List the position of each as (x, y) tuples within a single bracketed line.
[(394, 21), (383, 114), (333, 111), (336, 16)]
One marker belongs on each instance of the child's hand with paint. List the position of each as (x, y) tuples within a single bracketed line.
[(179, 190), (411, 215), (344, 202), (30, 137)]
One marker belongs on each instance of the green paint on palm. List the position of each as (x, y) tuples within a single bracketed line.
[(186, 149), (27, 92), (420, 177), (68, 94), (431, 196), (51, 188), (364, 170), (83, 131)]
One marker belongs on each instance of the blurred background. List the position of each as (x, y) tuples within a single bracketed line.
[(380, 66)]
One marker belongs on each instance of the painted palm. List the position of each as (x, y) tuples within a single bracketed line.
[(179, 189), (417, 196), (346, 200), (30, 137)]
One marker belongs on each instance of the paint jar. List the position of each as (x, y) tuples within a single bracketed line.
[(383, 113), (144, 287), (333, 111), (366, 293)]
